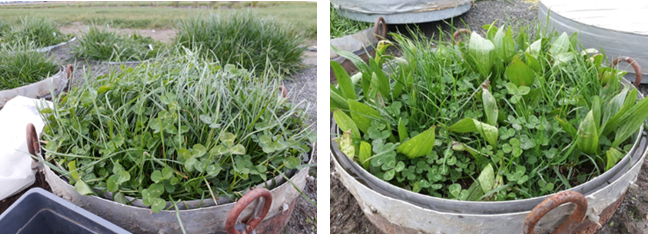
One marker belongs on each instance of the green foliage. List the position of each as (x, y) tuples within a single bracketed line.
[(246, 39), (493, 118), (168, 130), (20, 65), (37, 29), (104, 45), (341, 26)]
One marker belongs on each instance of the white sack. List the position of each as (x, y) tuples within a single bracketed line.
[(15, 163)]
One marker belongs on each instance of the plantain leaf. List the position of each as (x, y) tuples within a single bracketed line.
[(346, 123), (344, 81), (363, 114), (379, 82), (481, 51), (488, 132), (419, 145), (519, 73), (504, 44), (613, 156), (632, 121), (346, 145), (487, 178), (588, 138), (532, 62), (561, 45), (365, 154), (490, 107), (337, 100), (596, 110)]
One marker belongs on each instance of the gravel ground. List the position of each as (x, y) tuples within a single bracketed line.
[(631, 216), (301, 87)]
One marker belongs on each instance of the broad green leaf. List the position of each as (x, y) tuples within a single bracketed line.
[(363, 114), (481, 51), (344, 81), (337, 100), (487, 178), (487, 131), (561, 45), (504, 43), (535, 47), (402, 130), (632, 121), (111, 183), (83, 188), (588, 138), (365, 154), (73, 170), (227, 139), (346, 123), (613, 156), (519, 73), (490, 107), (596, 111), (380, 82), (419, 145), (455, 190), (532, 62), (346, 145), (156, 176)]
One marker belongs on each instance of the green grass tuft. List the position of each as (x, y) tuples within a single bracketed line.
[(20, 65), (104, 45)]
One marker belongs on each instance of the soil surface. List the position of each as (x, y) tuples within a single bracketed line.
[(631, 216), (301, 88)]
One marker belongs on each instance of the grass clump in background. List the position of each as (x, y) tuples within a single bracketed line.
[(20, 65), (341, 26), (179, 129), (242, 38), (37, 29), (104, 45)]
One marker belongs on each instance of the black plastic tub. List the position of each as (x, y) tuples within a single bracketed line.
[(39, 211)]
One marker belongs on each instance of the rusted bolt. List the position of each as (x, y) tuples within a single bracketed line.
[(380, 32), (251, 224), (456, 34), (552, 202), (634, 64)]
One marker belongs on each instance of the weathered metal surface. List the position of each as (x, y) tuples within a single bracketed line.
[(241, 204), (209, 218), (619, 27), (46, 49), (41, 89), (552, 202), (398, 216), (401, 12), (478, 207)]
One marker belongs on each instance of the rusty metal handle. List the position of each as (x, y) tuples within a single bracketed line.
[(283, 91), (32, 140), (634, 64), (458, 33), (240, 205), (70, 76), (380, 34), (552, 202)]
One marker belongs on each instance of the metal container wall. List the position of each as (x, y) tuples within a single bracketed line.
[(401, 12), (51, 85), (210, 219)]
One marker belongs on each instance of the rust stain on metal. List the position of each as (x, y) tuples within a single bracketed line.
[(438, 7), (276, 223), (635, 66), (456, 34), (589, 227), (552, 202)]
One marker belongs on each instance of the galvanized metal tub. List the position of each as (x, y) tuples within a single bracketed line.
[(52, 85), (617, 27), (396, 210), (48, 48), (401, 12), (201, 216)]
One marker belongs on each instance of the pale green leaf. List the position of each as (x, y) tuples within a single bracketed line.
[(419, 145)]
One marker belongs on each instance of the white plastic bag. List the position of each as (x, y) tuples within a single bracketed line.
[(16, 173)]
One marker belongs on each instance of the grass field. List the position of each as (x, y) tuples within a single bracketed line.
[(139, 15)]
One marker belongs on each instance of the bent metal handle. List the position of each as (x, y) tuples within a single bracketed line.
[(634, 64), (456, 34), (70, 76), (552, 202), (240, 205), (32, 140), (380, 32)]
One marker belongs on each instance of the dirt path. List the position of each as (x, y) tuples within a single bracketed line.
[(631, 217), (163, 35)]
